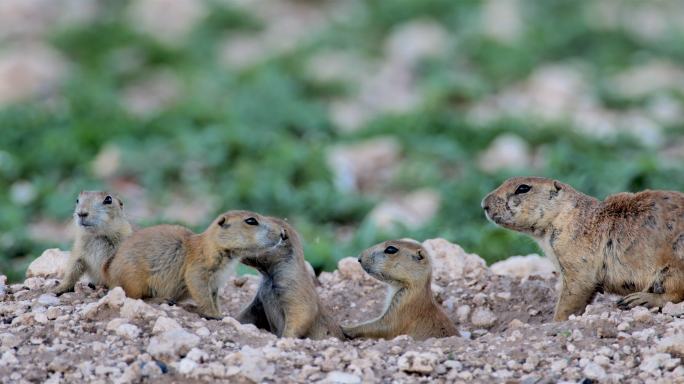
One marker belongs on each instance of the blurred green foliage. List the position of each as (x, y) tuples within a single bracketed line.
[(258, 138)]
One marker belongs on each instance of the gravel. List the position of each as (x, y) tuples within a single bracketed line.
[(506, 335)]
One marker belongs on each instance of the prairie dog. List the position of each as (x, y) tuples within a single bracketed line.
[(171, 262), (101, 226), (630, 244), (286, 303), (410, 308)]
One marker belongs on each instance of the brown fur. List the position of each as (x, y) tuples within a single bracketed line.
[(411, 308), (630, 244), (171, 262), (286, 303), (100, 228)]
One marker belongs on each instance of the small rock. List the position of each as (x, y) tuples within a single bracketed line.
[(40, 317), (410, 42), (480, 299), (672, 344), (128, 331), (197, 355), (417, 362), (515, 324), (366, 165), (186, 366), (172, 343), (524, 266), (8, 358), (594, 371), (252, 362), (113, 324), (338, 377), (559, 365), (450, 261), (642, 315), (50, 264), (603, 361), (8, 340), (34, 283), (180, 16), (350, 268), (483, 317), (153, 369), (114, 298), (132, 309), (411, 211), (652, 364), (165, 324), (48, 300), (674, 310), (462, 312), (507, 151)]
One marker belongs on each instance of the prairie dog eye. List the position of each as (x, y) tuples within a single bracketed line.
[(251, 221), (391, 250), (76, 201), (522, 188), (107, 200)]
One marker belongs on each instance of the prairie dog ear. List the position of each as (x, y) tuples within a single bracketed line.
[(419, 255), (558, 185)]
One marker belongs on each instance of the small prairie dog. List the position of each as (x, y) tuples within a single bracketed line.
[(286, 303), (172, 263), (100, 227), (629, 244), (410, 307)]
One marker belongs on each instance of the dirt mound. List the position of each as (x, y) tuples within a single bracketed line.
[(504, 322)]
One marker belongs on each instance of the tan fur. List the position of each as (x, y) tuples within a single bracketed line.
[(411, 308), (100, 228), (286, 303), (171, 262), (630, 244)]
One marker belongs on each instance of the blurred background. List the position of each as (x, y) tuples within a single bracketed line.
[(359, 121)]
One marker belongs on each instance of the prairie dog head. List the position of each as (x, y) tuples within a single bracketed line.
[(283, 251), (244, 233), (526, 204), (95, 211), (397, 262)]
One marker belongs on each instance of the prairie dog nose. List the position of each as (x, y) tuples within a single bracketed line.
[(82, 214)]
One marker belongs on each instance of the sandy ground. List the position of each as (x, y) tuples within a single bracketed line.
[(93, 335)]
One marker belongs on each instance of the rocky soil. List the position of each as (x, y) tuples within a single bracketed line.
[(95, 335)]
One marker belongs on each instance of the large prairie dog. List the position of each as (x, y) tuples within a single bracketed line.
[(286, 303), (410, 308), (171, 262), (630, 244), (100, 227)]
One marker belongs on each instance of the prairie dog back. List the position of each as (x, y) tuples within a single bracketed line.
[(172, 262)]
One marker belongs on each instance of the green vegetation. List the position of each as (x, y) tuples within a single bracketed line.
[(257, 138)]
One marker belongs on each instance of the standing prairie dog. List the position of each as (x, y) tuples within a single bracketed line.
[(100, 227), (286, 303), (630, 244), (410, 307), (171, 262)]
